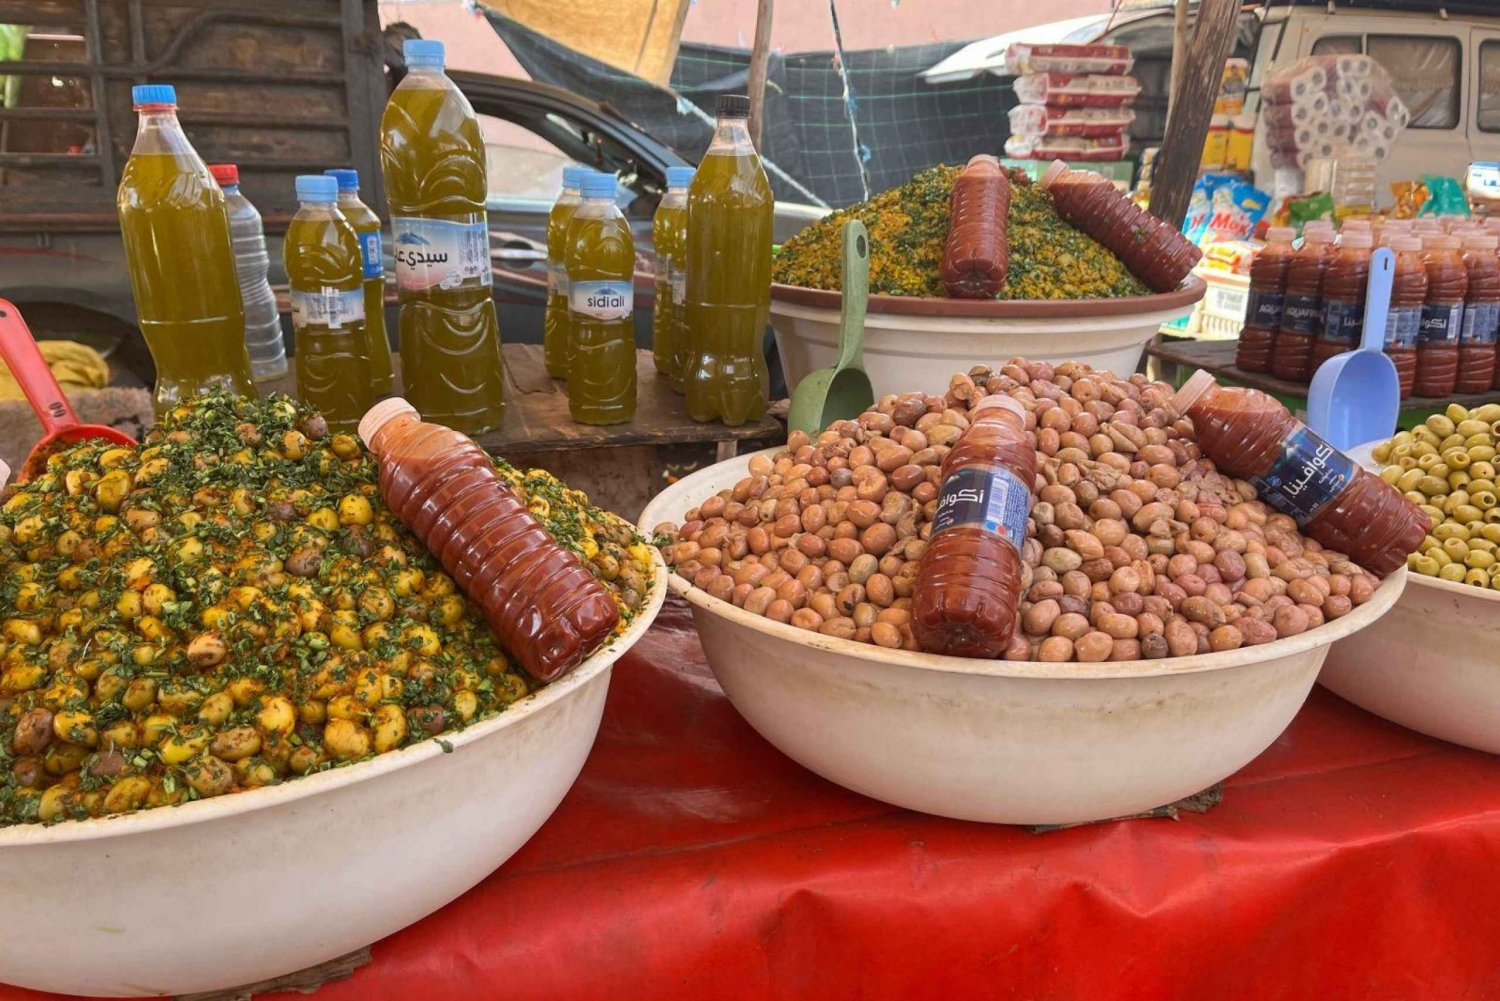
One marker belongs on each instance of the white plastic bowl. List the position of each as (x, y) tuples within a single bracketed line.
[(998, 741), (1432, 664), (225, 892), (915, 343)]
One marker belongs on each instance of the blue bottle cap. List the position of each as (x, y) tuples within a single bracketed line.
[(348, 180), (317, 188), (153, 93), (680, 177), (423, 52), (599, 185), (573, 176)]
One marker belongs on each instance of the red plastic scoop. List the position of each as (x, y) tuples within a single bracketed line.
[(60, 426)]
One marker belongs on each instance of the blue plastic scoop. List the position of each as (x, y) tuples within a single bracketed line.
[(1355, 397)]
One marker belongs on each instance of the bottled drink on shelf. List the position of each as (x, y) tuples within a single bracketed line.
[(1302, 313), (181, 259), (969, 583), (1476, 344), (367, 226), (1250, 435), (1442, 316), (1267, 294), (538, 597), (263, 338), (730, 209), (557, 347), (325, 271), (668, 234), (601, 297), (433, 159), (1345, 282), (1408, 295)]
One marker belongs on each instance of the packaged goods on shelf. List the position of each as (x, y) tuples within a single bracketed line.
[(1330, 107), (1068, 90), (1103, 59), (1112, 147)]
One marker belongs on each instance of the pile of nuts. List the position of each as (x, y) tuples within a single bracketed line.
[(1136, 548)]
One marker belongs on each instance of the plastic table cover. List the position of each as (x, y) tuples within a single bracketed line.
[(1353, 859)]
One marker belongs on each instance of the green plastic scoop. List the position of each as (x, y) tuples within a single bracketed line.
[(842, 392)]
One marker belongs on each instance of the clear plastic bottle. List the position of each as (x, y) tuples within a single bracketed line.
[(1476, 344), (1345, 283), (730, 216), (969, 584), (1154, 252), (181, 259), (251, 264), (367, 226), (325, 269), (557, 346), (668, 231), (545, 605), (1404, 324), (1267, 294), (601, 297), (432, 156), (1442, 316), (1250, 435), (1302, 315)]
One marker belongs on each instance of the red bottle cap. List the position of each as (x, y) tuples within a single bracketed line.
[(225, 173)]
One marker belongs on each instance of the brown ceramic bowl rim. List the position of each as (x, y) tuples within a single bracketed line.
[(1189, 292)]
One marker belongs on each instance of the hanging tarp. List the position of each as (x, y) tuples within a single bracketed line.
[(638, 36)]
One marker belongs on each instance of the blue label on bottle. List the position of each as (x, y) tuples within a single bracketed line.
[(1480, 322), (1307, 475), (440, 253), (1265, 310), (1343, 321), (369, 252), (601, 300), (1441, 324), (1402, 327), (992, 499), (1302, 314)]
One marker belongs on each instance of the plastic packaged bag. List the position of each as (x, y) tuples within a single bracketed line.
[(1043, 120), (1329, 106), (1061, 58), (1067, 90), (1445, 196), (1113, 147)]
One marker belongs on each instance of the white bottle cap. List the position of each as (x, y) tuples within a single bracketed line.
[(382, 414), (1003, 402), (1198, 383)]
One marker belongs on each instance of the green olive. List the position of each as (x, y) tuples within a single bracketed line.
[(1425, 565), (1492, 516), (1451, 442), (1471, 426), (1479, 560), (1457, 549), (1433, 512), (1431, 485), (1429, 459), (1442, 557), (1401, 451), (1484, 500), (1440, 425), (1456, 412), (1488, 413), (1477, 441), (1478, 483), (1482, 544), (1491, 532), (1424, 447), (1406, 462), (1456, 458), (1406, 481), (1448, 530), (1452, 571), (1477, 578), (1381, 452), (1481, 469), (1467, 513)]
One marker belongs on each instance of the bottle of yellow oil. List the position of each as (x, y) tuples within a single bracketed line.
[(367, 226), (668, 231), (325, 270), (729, 220), (601, 295), (181, 259), (433, 161), (556, 347)]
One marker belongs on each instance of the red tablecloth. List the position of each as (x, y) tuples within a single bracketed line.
[(1354, 859)]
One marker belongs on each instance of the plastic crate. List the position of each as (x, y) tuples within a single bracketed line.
[(1224, 304)]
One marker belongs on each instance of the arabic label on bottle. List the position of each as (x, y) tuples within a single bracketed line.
[(1441, 323), (1402, 327), (1302, 314), (601, 300), (327, 307), (1343, 321), (1480, 322), (557, 278), (1265, 309), (992, 499), (440, 253), (369, 254), (1307, 475)]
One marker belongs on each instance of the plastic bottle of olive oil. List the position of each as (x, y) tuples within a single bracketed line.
[(557, 349), (367, 226), (601, 263), (668, 234)]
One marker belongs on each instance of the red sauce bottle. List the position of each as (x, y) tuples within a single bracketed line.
[(1349, 510), (1408, 295), (1267, 292), (1476, 343), (1442, 316), (546, 607), (1345, 282), (969, 584), (1154, 252), (1302, 314)]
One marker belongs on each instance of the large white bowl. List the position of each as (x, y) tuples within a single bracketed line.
[(1432, 664), (1008, 742), (915, 343), (224, 892)]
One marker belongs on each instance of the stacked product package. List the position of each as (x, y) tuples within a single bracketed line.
[(1331, 107), (1075, 102)]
